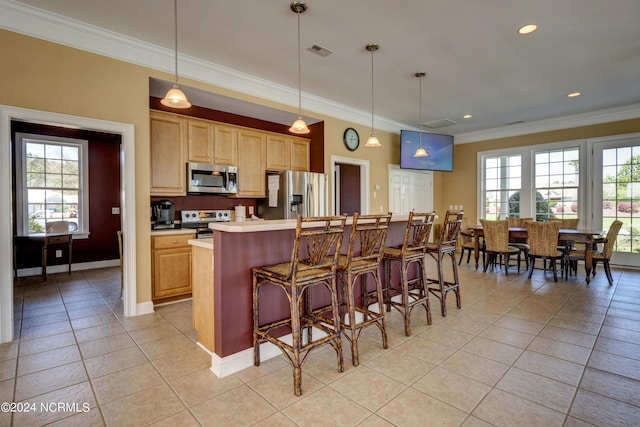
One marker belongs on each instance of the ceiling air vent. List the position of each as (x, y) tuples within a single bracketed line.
[(322, 51), (440, 123)]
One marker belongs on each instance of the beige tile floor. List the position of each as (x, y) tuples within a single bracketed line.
[(520, 352)]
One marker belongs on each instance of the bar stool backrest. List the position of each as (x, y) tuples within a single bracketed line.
[(450, 229), (317, 243), (369, 235), (417, 232)]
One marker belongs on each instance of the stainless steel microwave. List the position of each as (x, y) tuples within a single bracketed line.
[(209, 178)]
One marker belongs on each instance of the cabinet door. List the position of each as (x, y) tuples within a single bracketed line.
[(167, 152), (200, 141), (225, 145), (252, 148), (171, 272), (300, 154), (278, 153)]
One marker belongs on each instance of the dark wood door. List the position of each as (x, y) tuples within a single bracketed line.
[(349, 189)]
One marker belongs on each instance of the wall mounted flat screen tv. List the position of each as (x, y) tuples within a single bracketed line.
[(439, 149)]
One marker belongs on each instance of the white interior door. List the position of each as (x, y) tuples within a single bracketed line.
[(410, 190), (616, 193)]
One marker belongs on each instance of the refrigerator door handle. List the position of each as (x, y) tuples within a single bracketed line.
[(310, 208)]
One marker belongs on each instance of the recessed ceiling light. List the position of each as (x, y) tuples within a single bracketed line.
[(527, 29), (467, 116), (573, 94)]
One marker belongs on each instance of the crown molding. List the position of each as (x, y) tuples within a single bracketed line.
[(37, 23), (34, 22), (564, 122)]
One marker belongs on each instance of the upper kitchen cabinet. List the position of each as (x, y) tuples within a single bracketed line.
[(278, 152), (200, 141), (252, 149), (287, 153), (168, 173), (300, 154), (226, 145)]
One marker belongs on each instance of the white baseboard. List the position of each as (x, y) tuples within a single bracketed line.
[(63, 268), (225, 366), (144, 308)]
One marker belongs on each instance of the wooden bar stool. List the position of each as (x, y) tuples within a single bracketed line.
[(364, 255), (413, 291), (446, 246), (313, 263)]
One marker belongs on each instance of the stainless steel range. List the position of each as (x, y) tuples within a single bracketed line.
[(199, 220)]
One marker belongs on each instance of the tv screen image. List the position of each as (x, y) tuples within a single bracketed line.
[(439, 149)]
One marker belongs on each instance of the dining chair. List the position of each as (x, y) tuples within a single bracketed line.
[(496, 235), (363, 260), (314, 259), (603, 255), (467, 236), (518, 242), (412, 253), (542, 238), (446, 247)]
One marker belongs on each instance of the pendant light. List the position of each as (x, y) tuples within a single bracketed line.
[(373, 139), (175, 98), (420, 152), (299, 126)]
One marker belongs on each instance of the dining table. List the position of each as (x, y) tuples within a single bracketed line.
[(583, 236)]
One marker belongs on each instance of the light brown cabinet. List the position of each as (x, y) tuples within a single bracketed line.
[(300, 154), (225, 146), (278, 153), (252, 147), (170, 266), (199, 141), (167, 153)]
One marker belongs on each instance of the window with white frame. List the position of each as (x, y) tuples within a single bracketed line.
[(536, 181), (51, 178), (502, 182), (557, 179)]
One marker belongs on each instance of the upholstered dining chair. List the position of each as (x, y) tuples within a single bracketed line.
[(496, 237), (520, 243), (314, 259), (467, 236), (542, 238), (603, 255)]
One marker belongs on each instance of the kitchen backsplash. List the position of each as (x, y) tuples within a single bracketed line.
[(205, 202)]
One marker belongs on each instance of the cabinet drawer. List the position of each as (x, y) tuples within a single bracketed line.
[(171, 241)]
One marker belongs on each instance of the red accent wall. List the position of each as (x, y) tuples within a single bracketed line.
[(234, 255), (104, 193)]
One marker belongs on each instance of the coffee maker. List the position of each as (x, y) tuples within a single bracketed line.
[(162, 214)]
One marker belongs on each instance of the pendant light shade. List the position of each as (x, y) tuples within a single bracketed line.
[(175, 98), (420, 152), (299, 126), (373, 139)]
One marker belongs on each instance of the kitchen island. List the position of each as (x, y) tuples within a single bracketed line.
[(236, 248)]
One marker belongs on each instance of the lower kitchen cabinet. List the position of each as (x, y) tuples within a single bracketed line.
[(171, 266)]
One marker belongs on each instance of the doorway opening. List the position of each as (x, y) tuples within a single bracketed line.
[(127, 175), (352, 166)]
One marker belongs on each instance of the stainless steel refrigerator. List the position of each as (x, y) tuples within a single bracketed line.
[(291, 193)]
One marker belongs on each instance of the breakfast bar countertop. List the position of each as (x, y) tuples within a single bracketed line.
[(274, 224)]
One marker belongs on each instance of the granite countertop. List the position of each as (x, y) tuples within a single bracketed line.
[(172, 231), (206, 243)]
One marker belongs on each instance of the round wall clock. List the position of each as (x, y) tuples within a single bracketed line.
[(351, 139)]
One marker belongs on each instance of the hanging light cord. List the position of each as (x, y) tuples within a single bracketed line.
[(299, 69), (372, 103), (420, 99), (175, 16)]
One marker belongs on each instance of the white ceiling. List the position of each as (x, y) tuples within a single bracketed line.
[(475, 61)]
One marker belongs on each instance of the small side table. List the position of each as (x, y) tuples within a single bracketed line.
[(43, 240)]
